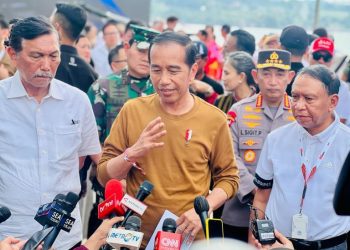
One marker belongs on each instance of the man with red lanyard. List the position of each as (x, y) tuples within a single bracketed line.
[(300, 163)]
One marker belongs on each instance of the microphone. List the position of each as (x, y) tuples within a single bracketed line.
[(66, 222), (50, 214), (126, 239), (201, 206), (111, 206), (167, 239), (5, 213), (145, 189)]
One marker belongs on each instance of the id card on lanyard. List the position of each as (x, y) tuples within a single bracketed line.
[(300, 221)]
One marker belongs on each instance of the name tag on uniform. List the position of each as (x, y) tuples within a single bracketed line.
[(299, 226)]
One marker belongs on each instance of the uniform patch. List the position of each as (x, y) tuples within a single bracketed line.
[(251, 132), (252, 117), (249, 155), (231, 117), (251, 109), (252, 124), (250, 142)]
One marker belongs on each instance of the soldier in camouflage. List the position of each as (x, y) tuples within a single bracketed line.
[(109, 94)]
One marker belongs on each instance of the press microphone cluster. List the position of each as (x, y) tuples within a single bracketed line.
[(4, 214), (167, 239), (54, 217), (126, 239)]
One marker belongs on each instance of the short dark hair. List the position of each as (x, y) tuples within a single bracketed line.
[(242, 62), (29, 29), (203, 33), (320, 72), (321, 32), (172, 19), (226, 28), (132, 22), (108, 23), (245, 41), (114, 52), (183, 40)]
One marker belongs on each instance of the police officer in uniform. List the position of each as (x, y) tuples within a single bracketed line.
[(109, 94), (250, 121), (69, 20)]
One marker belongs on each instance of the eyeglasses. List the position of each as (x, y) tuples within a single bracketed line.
[(318, 55)]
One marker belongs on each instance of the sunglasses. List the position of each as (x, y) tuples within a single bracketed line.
[(325, 56)]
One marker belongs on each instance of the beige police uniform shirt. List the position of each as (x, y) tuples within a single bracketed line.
[(250, 121)]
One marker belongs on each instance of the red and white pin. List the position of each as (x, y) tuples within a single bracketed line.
[(188, 135)]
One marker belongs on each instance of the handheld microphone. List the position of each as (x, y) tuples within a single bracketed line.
[(342, 191), (145, 189), (201, 206), (5, 213), (50, 214), (111, 206), (167, 239), (69, 204), (126, 239)]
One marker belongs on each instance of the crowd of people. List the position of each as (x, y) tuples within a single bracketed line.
[(246, 124)]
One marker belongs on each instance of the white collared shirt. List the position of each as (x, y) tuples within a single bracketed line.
[(280, 160), (40, 145)]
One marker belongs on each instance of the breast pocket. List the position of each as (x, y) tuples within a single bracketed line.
[(67, 141), (250, 148)]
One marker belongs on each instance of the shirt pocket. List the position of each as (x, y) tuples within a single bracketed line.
[(249, 149), (67, 141)]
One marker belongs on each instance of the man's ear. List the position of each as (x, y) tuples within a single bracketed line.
[(334, 99), (12, 54)]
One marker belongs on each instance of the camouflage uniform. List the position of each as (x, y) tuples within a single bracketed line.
[(108, 95)]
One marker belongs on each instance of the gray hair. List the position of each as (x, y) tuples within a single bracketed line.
[(242, 62)]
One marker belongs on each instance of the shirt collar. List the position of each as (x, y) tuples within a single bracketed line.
[(260, 103), (325, 134), (17, 89)]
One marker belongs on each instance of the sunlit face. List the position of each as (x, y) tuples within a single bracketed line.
[(84, 49), (119, 62), (38, 60), (111, 36), (170, 75), (272, 82), (312, 106), (230, 45), (137, 60), (230, 77)]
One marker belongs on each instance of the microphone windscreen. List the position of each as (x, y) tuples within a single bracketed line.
[(4, 214), (201, 204), (71, 201), (133, 223), (341, 201), (147, 187), (59, 197), (114, 186), (169, 225)]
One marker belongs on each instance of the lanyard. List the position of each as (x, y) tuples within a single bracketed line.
[(314, 168)]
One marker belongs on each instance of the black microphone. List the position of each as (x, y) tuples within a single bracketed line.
[(341, 201), (133, 224), (201, 206), (169, 225), (49, 215), (145, 189), (5, 213), (68, 205)]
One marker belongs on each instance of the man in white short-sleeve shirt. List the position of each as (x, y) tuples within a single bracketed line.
[(47, 128), (300, 163)]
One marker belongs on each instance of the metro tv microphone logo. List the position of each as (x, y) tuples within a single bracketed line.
[(126, 237)]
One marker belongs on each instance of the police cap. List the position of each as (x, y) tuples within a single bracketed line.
[(274, 58)]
